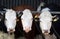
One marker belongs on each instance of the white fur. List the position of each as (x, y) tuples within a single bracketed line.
[(10, 19), (45, 20), (27, 19)]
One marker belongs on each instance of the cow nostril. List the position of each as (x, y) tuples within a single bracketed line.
[(45, 31), (11, 30)]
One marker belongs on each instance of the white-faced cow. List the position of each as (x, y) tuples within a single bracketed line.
[(25, 26), (46, 19), (46, 11), (27, 20), (10, 20)]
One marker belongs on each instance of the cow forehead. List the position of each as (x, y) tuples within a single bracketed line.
[(46, 15), (10, 14), (27, 14), (45, 9)]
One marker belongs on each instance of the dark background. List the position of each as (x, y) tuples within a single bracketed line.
[(34, 3)]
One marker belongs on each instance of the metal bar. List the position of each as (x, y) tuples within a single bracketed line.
[(52, 12)]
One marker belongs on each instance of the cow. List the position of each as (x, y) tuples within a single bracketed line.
[(46, 19), (25, 26), (52, 7), (10, 20), (27, 19)]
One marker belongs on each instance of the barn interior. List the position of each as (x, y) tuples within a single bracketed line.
[(54, 5)]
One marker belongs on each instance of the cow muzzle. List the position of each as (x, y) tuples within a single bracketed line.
[(27, 29), (45, 32), (11, 31)]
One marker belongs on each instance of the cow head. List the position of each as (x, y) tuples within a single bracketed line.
[(10, 20), (45, 20), (26, 19)]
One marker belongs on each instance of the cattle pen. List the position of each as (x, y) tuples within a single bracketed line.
[(19, 6)]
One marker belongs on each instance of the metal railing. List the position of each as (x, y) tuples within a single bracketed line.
[(34, 12)]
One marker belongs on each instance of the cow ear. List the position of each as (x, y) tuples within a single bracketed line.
[(1, 16), (55, 18), (20, 13), (5, 9), (36, 17), (1, 13)]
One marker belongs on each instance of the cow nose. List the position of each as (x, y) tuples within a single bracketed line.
[(11, 30), (27, 29), (45, 31)]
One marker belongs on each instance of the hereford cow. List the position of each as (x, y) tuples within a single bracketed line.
[(25, 25), (10, 20), (46, 21), (52, 7)]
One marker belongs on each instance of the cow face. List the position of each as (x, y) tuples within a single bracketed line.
[(10, 20), (45, 20), (26, 19)]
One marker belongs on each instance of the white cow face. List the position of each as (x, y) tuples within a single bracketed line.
[(10, 20), (26, 19), (45, 20)]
